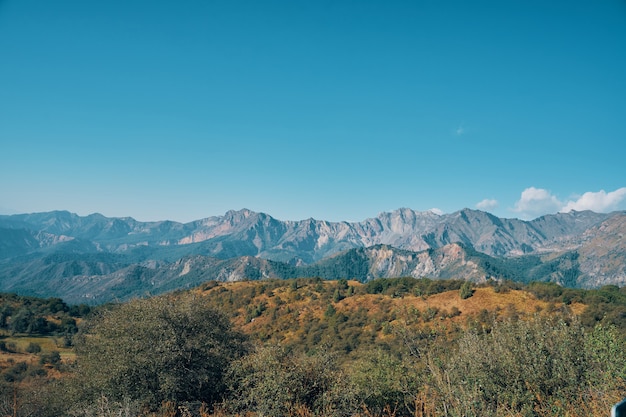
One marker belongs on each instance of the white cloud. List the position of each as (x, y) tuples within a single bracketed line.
[(437, 211), (535, 202), (600, 201), (487, 204), (460, 129)]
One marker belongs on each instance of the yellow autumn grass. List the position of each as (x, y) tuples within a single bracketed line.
[(20, 344), (304, 305)]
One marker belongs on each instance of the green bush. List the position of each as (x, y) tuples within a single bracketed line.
[(466, 290), (33, 348), (380, 381), (544, 366), (50, 358), (155, 350), (274, 382)]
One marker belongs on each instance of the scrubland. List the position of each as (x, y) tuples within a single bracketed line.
[(308, 347)]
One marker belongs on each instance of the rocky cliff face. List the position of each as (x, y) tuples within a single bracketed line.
[(579, 248), (450, 261), (246, 233), (602, 252)]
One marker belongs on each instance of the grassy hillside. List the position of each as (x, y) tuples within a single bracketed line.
[(349, 316), (390, 347)]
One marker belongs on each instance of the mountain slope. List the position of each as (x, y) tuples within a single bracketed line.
[(96, 258), (246, 233), (602, 256), (99, 278)]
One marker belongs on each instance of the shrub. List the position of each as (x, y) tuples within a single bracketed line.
[(155, 350), (274, 382), (544, 366), (50, 358), (466, 290), (33, 348), (380, 381)]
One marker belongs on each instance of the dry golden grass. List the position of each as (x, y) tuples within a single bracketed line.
[(20, 343), (484, 298), (289, 311)]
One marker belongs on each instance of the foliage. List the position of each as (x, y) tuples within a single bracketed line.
[(274, 382), (466, 291), (37, 316), (398, 287), (606, 305), (543, 366), (393, 347), (381, 380), (50, 358), (158, 349), (33, 348), (103, 407), (28, 396)]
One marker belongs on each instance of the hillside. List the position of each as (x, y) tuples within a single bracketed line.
[(305, 314), (362, 348), (346, 316), (102, 277)]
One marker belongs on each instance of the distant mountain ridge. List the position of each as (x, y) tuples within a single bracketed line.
[(83, 251), (247, 233)]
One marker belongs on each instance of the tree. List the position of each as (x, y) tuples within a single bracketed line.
[(159, 349), (22, 320), (466, 290), (337, 296)]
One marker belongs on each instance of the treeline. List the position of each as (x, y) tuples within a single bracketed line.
[(606, 305), (309, 347), (37, 316), (564, 268), (33, 332)]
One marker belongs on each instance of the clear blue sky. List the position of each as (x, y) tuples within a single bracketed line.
[(335, 110)]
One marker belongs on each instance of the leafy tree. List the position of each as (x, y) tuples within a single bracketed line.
[(466, 290), (337, 296), (5, 312), (330, 311), (16, 372), (22, 320), (158, 349), (56, 305), (81, 310)]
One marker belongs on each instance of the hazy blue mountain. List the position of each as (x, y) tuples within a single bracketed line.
[(246, 233), (103, 277), (98, 258)]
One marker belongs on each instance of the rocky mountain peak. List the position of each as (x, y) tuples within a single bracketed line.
[(594, 242)]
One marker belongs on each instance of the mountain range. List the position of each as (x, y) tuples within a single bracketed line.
[(96, 259)]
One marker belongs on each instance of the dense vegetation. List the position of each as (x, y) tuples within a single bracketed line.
[(36, 316), (305, 347)]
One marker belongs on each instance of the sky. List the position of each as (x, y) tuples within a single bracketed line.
[(330, 109)]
